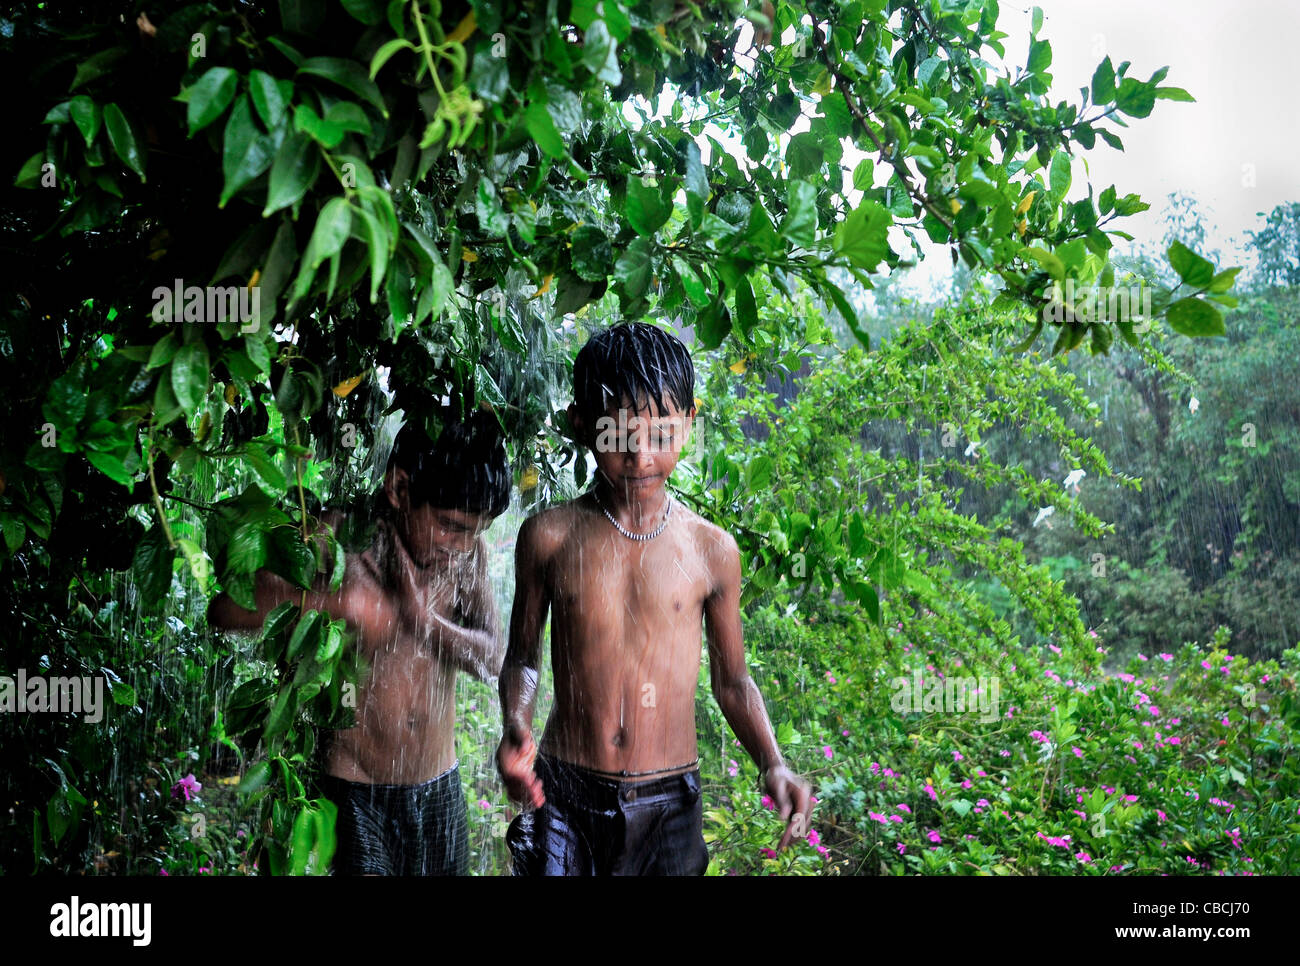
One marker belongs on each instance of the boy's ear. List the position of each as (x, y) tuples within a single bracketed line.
[(577, 423), (397, 488)]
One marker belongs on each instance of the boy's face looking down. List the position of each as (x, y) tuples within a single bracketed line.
[(636, 446), (433, 535)]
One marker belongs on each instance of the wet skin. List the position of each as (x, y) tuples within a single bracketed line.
[(626, 626), (421, 607)]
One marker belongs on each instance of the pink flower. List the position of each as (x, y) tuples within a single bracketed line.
[(956, 756), (768, 853), (1004, 753), (823, 850), (826, 750), (830, 677), (934, 836), (163, 872), (1174, 740), (845, 732), (901, 848), (1142, 657), (205, 869), (1224, 722), (1155, 712), (1078, 752), (188, 787), (732, 768), (981, 773), (983, 803), (1083, 857), (1165, 657), (875, 768), (484, 804), (896, 818), (966, 783), (1130, 798), (1161, 815), (902, 807), (768, 803), (813, 837), (889, 773), (1137, 745), (929, 790)]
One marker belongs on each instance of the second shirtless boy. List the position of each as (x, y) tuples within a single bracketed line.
[(421, 607), (628, 575)]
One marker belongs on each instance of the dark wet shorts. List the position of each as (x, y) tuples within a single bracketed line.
[(592, 825), (400, 829)]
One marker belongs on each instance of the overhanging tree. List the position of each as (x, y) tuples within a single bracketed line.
[(430, 190)]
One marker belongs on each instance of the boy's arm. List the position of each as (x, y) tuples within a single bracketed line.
[(519, 673), (738, 696)]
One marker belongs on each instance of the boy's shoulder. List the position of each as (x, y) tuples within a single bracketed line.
[(710, 539)]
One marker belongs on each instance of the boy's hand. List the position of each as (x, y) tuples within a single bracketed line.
[(515, 763), (792, 797)]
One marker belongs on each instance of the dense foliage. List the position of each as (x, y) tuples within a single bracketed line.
[(409, 206)]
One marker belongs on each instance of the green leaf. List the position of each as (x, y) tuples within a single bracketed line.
[(333, 226), (600, 54), (209, 96), (255, 778), (247, 550), (647, 206), (270, 96), (1040, 57), (1224, 280), (386, 52), (189, 375), (864, 174), (694, 287), (800, 222), (697, 184), (293, 173), (592, 255), (804, 156), (121, 135), (1060, 176), (85, 113), (862, 238), (633, 267), (163, 351), (110, 466), (746, 309), (1103, 83), (1194, 270), (492, 217), (1194, 317), (246, 152), (758, 473), (346, 73), (542, 129)]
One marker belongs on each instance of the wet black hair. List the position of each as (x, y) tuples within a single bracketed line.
[(466, 469), (632, 361)]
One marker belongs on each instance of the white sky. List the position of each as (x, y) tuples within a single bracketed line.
[(1234, 58)]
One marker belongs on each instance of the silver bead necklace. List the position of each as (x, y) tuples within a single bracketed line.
[(639, 537)]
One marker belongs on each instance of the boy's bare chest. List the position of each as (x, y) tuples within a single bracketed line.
[(664, 582)]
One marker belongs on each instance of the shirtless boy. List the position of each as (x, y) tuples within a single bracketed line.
[(628, 575), (420, 604)]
